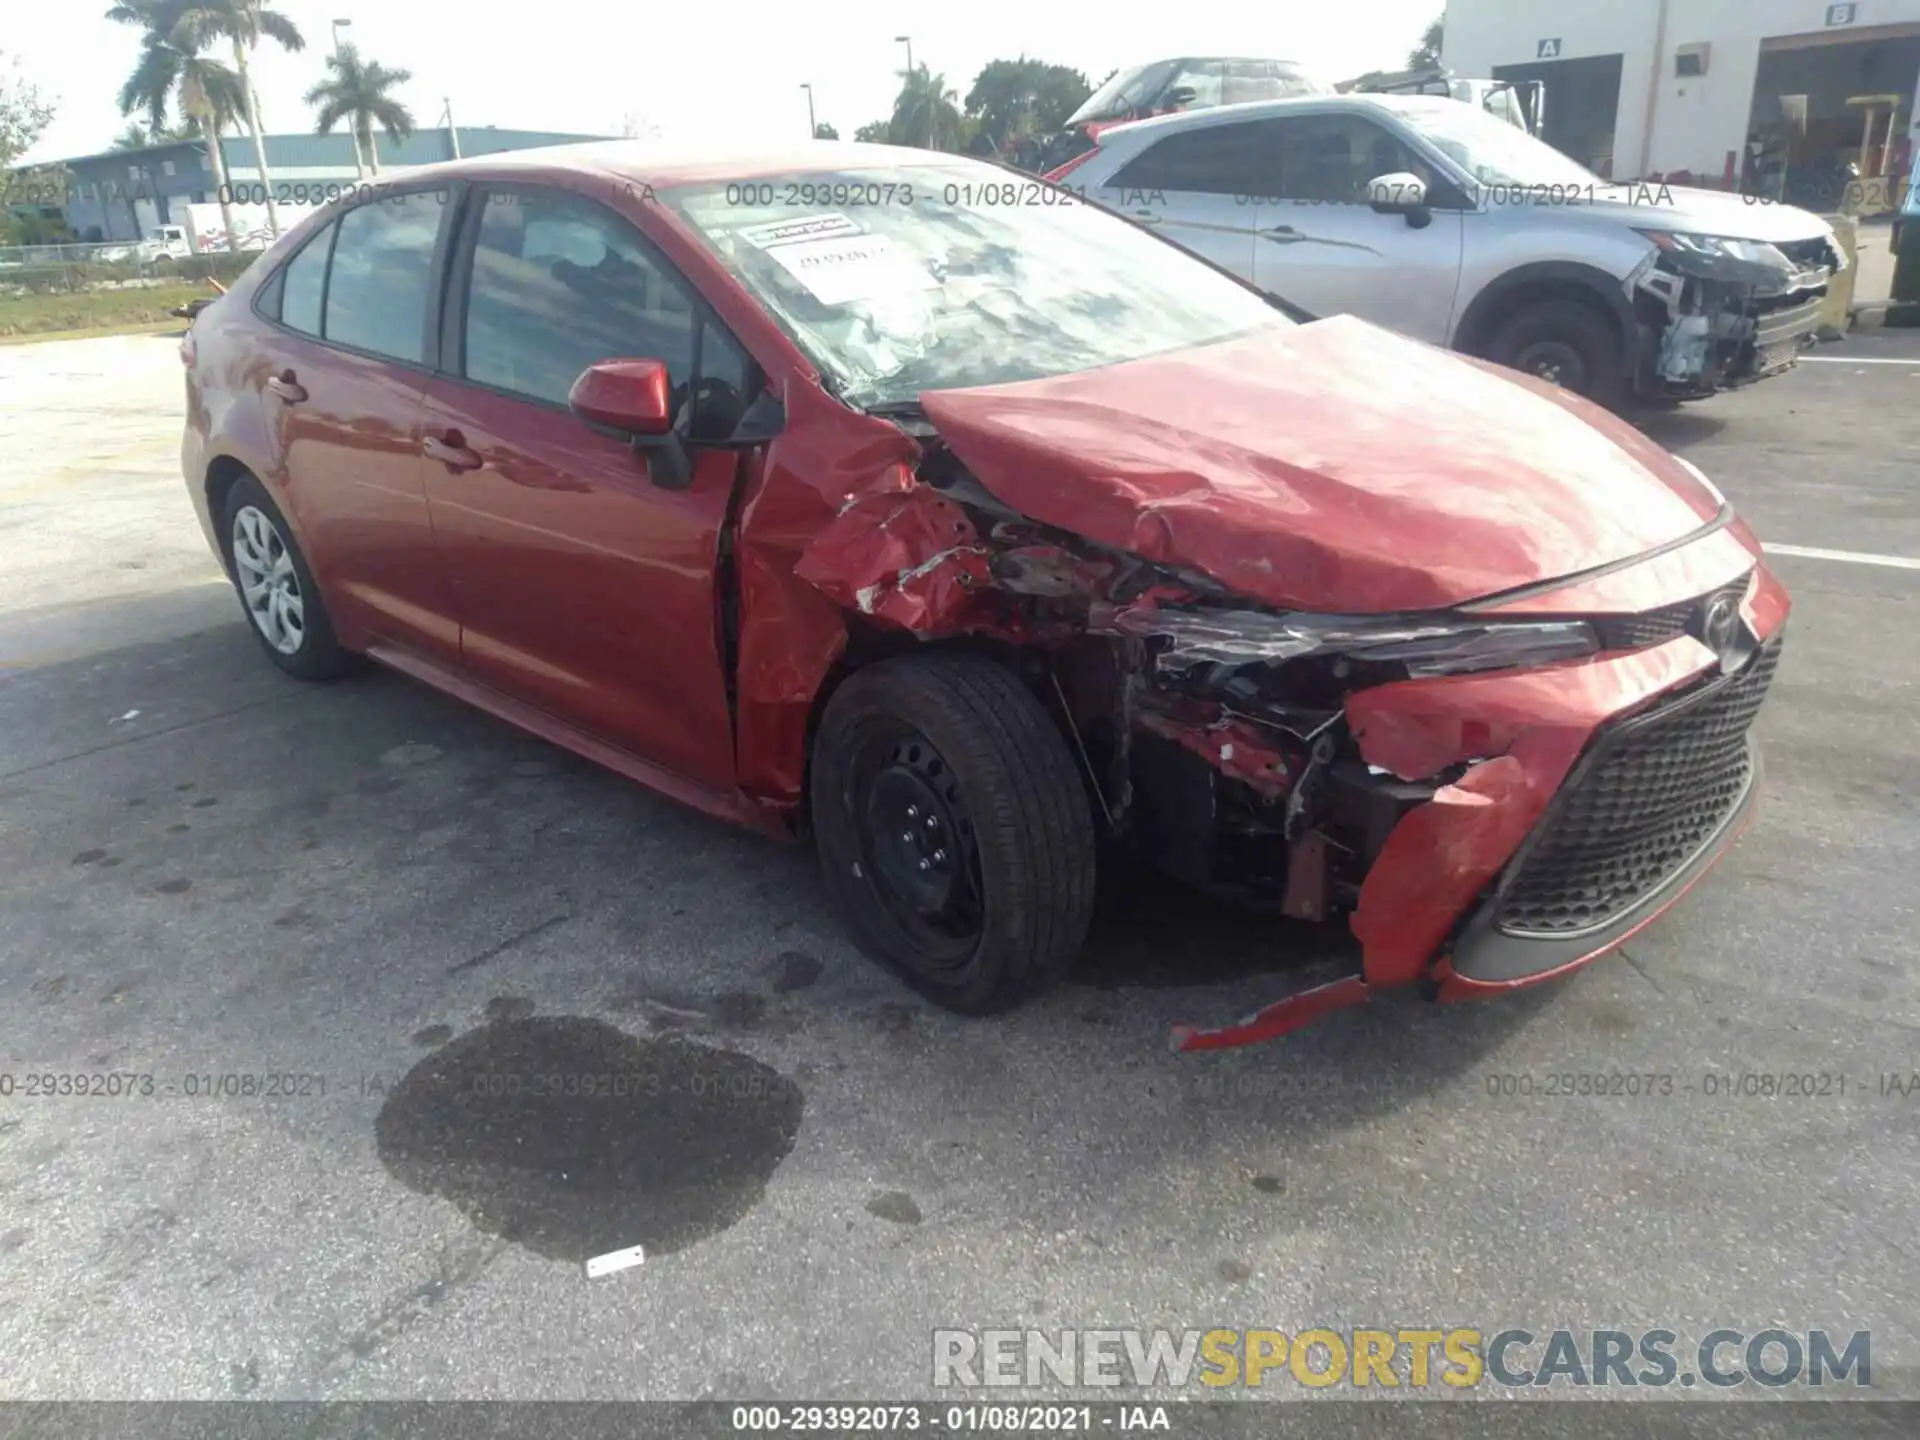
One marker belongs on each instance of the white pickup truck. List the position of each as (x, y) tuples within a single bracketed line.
[(166, 242)]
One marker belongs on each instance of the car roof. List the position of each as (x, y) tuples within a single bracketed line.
[(664, 165), (1262, 109)]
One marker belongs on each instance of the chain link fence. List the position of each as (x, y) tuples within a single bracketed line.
[(69, 269)]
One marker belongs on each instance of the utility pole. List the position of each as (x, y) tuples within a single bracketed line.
[(907, 40), (813, 129)]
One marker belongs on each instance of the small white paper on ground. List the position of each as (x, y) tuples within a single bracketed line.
[(614, 1260)]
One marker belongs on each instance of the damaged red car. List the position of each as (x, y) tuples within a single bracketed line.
[(881, 497)]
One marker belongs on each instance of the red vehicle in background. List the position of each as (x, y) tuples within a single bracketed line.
[(1164, 86), (839, 493)]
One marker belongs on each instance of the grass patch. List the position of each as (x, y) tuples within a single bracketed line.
[(95, 312)]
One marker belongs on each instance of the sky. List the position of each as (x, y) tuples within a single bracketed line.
[(726, 72)]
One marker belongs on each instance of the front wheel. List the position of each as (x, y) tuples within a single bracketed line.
[(954, 830), (1568, 343)]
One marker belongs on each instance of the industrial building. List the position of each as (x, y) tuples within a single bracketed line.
[(1763, 92), (122, 195)]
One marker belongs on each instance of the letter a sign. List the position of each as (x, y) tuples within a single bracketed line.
[(1549, 50)]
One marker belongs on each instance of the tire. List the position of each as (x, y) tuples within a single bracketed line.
[(1565, 342), (953, 744), (252, 528)]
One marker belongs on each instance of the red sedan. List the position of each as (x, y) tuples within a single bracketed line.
[(877, 495)]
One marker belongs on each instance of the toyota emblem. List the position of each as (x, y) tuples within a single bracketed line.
[(1721, 625)]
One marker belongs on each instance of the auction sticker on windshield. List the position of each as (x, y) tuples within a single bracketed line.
[(840, 266)]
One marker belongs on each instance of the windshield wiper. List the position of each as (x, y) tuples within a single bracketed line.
[(896, 409)]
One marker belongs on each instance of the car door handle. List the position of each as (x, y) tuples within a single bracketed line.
[(1146, 217), (1284, 235), (451, 451), (287, 387)]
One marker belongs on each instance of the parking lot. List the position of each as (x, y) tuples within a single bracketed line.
[(357, 900)]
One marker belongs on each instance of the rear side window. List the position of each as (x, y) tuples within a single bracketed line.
[(1210, 160), (303, 283), (559, 283), (377, 296)]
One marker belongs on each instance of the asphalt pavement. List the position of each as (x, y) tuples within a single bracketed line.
[(338, 925)]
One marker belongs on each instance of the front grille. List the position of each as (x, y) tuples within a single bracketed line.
[(1651, 792), (1657, 627), (1792, 322)]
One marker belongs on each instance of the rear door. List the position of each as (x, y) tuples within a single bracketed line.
[(582, 587), (1323, 247), (1200, 186), (342, 371)]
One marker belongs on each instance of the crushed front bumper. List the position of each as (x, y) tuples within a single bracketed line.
[(1596, 795), (1707, 325)]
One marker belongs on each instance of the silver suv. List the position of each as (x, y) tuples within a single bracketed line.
[(1435, 219)]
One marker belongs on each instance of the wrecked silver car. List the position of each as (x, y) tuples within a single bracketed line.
[(1440, 221)]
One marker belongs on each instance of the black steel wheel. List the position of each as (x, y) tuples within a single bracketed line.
[(954, 830)]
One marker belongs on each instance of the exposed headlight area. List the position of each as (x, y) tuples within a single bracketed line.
[(1754, 252), (1409, 648)]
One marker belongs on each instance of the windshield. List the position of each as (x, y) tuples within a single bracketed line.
[(1126, 92), (1493, 151), (899, 280)]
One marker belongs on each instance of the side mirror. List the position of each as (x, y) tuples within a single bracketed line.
[(1181, 95), (1401, 193), (633, 400), (625, 395)]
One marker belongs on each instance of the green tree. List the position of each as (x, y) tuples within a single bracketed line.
[(875, 132), (360, 91), (242, 24), (207, 92), (1017, 99), (1426, 55), (927, 112), (24, 117), (824, 131)]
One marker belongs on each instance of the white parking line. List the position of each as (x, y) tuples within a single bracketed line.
[(1854, 360), (1845, 557)]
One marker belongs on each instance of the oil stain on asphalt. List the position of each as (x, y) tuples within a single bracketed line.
[(572, 1138)]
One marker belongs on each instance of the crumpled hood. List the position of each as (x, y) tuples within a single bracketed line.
[(1334, 466)]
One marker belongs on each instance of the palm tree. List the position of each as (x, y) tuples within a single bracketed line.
[(927, 112), (357, 90), (208, 92), (241, 23)]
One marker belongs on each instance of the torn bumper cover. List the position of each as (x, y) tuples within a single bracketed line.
[(1568, 806), (1716, 314)]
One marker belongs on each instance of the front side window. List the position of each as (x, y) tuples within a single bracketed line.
[(1208, 160), (377, 294), (1196, 86), (1328, 159), (955, 274), (1125, 93), (559, 283)]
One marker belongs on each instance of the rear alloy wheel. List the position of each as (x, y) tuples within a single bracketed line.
[(276, 588), (1567, 343), (954, 829)]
